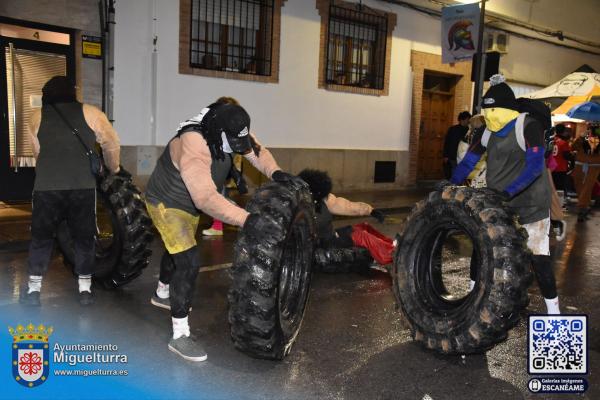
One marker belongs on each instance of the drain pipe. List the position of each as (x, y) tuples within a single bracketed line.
[(102, 13), (154, 76), (110, 59), (107, 29)]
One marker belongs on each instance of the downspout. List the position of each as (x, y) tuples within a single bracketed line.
[(102, 10), (110, 60), (480, 64), (154, 76)]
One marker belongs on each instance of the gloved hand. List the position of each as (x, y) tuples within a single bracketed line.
[(378, 215), (123, 173), (439, 187), (286, 178), (503, 195), (239, 180), (262, 228)]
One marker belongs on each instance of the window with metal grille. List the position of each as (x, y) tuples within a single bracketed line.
[(356, 47), (232, 35)]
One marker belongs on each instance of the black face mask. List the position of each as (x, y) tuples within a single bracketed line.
[(239, 144), (234, 121)]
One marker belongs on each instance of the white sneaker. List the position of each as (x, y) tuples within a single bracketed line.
[(560, 230), (212, 232)]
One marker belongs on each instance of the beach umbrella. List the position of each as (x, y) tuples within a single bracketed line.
[(578, 87), (589, 111)]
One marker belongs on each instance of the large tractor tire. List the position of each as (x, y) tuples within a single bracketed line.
[(271, 274), (335, 260), (124, 232), (481, 318)]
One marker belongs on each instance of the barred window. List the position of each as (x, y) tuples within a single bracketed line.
[(232, 35), (355, 48)]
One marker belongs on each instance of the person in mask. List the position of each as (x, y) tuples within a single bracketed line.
[(361, 235), (185, 182), (65, 188), (514, 143), (234, 179)]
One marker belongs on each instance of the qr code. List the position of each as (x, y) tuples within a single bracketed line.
[(557, 344)]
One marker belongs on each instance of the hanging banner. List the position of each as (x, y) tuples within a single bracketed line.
[(460, 28)]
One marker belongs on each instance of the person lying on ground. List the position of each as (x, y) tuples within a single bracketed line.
[(361, 235)]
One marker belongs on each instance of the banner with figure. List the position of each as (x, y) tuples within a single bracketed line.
[(460, 28)]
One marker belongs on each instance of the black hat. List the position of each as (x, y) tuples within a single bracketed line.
[(499, 95), (235, 122), (59, 89)]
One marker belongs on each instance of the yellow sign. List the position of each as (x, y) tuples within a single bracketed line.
[(91, 46)]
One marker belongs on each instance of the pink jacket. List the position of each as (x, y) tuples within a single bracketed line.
[(342, 206), (191, 156)]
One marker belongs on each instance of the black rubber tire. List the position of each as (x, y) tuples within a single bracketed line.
[(343, 260), (129, 253), (481, 319), (271, 275)]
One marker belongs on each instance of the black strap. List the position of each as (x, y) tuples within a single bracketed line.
[(88, 151)]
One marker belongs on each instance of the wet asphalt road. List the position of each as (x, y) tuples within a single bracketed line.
[(353, 344)]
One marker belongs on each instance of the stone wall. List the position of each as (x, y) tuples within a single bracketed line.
[(350, 170)]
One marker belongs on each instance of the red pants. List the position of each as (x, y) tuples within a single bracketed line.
[(379, 245)]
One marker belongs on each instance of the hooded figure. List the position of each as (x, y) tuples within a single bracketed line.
[(65, 188), (514, 143), (361, 235), (188, 178)]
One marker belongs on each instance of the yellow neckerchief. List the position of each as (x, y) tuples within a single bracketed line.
[(496, 117)]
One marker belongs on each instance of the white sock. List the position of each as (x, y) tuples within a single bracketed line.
[(85, 283), (35, 283), (180, 327), (552, 306), (471, 285), (162, 290)]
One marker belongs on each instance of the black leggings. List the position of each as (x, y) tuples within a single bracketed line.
[(544, 273), (560, 180), (50, 208), (180, 272)]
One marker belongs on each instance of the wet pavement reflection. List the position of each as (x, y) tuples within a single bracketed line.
[(354, 343)]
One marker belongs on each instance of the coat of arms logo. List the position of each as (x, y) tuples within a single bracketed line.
[(30, 354)]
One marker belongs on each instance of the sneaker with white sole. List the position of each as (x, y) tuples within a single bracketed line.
[(212, 232), (188, 348), (162, 303)]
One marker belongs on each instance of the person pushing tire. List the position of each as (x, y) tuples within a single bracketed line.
[(184, 182), (514, 143)]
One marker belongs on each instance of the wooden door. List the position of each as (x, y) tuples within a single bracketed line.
[(436, 118)]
